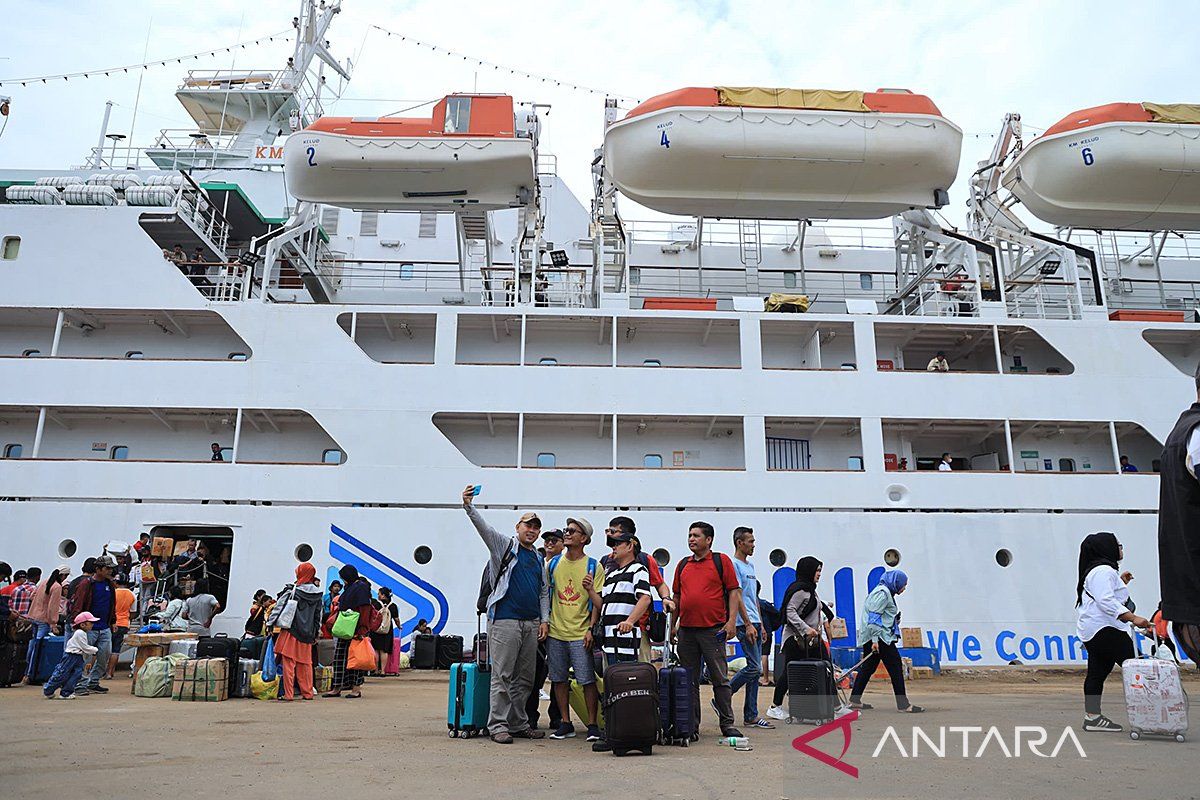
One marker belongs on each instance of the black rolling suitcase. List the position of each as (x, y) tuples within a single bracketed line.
[(677, 718), (424, 651), (812, 692), (221, 646), (449, 650), (12, 662), (631, 713)]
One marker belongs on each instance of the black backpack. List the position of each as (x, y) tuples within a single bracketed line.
[(486, 584)]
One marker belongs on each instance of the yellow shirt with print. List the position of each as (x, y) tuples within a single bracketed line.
[(570, 610)]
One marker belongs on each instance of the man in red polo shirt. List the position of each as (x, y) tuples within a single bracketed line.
[(709, 596)]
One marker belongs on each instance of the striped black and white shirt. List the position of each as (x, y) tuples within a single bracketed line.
[(622, 588)]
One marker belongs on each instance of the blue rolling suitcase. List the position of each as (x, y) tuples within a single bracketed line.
[(677, 718), (49, 654), (469, 697)]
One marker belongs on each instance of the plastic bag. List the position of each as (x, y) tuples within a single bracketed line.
[(361, 655), (346, 625), (262, 689), (270, 670)]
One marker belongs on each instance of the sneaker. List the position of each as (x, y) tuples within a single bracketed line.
[(593, 733), (1101, 723), (542, 695), (776, 712), (565, 731), (98, 688), (529, 733), (51, 696), (502, 738), (731, 731), (65, 696), (601, 746), (81, 691)]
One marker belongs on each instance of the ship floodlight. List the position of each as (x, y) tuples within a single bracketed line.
[(559, 258), (1049, 267)]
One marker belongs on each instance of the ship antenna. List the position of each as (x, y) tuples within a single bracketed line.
[(138, 97)]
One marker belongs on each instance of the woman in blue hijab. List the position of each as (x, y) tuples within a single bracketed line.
[(878, 631)]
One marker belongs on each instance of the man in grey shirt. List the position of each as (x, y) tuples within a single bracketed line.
[(199, 610)]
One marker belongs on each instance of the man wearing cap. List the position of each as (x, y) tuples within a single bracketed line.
[(575, 583), (518, 609), (98, 596), (552, 545)]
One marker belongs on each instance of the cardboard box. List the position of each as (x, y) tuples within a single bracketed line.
[(181, 547), (322, 679), (881, 670), (912, 637), (922, 673), (837, 628), (162, 547), (201, 680)]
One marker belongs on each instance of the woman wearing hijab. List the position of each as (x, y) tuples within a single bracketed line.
[(1104, 613), (802, 625), (878, 631), (295, 645), (44, 612), (355, 597)]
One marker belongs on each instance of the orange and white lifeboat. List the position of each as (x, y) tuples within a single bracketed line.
[(470, 153), (784, 153), (1121, 166)]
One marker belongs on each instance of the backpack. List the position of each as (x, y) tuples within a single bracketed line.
[(385, 620), (284, 611), (719, 563), (486, 583), (591, 570)]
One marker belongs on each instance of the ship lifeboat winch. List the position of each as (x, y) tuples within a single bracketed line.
[(784, 153), (471, 153), (1121, 166)]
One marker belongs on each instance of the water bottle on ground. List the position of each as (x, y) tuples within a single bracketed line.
[(734, 741)]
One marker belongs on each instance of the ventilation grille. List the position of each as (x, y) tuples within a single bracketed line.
[(368, 224), (428, 228), (329, 219)]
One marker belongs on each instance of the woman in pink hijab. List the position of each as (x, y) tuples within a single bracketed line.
[(295, 645)]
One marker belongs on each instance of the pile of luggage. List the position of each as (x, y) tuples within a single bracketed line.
[(440, 652)]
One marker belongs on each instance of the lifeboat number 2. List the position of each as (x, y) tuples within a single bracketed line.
[(663, 139)]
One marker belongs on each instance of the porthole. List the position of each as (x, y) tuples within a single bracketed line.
[(778, 557), (304, 552), (1003, 557), (422, 555), (891, 557), (662, 557), (67, 548), (897, 493)]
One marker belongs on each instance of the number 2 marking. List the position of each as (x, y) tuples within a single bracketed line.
[(1088, 158), (664, 141), (312, 152)]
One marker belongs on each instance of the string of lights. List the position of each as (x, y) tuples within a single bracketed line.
[(158, 62), (482, 62)]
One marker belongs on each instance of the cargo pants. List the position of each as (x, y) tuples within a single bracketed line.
[(512, 645)]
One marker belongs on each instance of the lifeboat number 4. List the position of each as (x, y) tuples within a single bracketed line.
[(663, 139)]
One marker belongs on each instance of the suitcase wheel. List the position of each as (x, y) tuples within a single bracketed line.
[(619, 751), (453, 734), (1135, 735), (1179, 737)]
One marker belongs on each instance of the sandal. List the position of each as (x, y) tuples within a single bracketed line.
[(913, 710), (332, 694), (353, 696), (861, 706), (761, 723)]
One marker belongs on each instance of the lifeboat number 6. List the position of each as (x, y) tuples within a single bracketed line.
[(1088, 158)]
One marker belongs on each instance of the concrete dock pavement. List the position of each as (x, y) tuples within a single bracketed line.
[(393, 742)]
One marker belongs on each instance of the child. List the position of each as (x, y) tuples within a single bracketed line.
[(70, 669)]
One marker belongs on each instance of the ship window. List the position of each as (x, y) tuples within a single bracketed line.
[(866, 280), (854, 463), (31, 353), (227, 454), (406, 272), (329, 219), (1066, 465), (548, 362), (458, 115), (428, 225), (651, 362), (652, 461), (119, 452), (545, 459), (368, 224), (135, 354), (662, 557), (422, 555), (304, 552), (778, 557), (1003, 557), (789, 280), (13, 450), (12, 246), (333, 456), (67, 548), (635, 276), (238, 357), (891, 557)]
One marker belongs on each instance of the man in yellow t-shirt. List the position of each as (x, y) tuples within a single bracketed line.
[(575, 581)]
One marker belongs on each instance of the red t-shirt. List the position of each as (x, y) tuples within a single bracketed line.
[(701, 594)]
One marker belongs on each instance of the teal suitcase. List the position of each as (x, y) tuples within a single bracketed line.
[(467, 708)]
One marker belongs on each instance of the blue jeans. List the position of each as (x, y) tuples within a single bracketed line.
[(66, 675), (40, 631), (748, 675), (102, 640)]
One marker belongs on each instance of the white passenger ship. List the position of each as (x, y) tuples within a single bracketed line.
[(433, 307)]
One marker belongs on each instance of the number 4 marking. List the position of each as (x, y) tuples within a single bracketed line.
[(1088, 158), (664, 141)]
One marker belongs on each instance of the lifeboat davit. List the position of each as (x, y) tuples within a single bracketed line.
[(1122, 166), (784, 153), (471, 153)]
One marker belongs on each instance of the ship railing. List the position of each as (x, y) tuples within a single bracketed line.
[(220, 282), (193, 204), (784, 235), (1147, 293), (1041, 299), (190, 148), (222, 80), (562, 287), (547, 164)]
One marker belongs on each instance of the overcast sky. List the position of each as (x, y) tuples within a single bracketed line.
[(977, 60)]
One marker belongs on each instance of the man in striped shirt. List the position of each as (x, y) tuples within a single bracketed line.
[(625, 595)]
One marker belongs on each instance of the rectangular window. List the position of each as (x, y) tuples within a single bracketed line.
[(545, 459), (238, 357), (329, 219), (427, 226), (119, 453), (333, 456), (135, 354), (10, 248), (652, 461), (13, 450), (866, 280), (789, 280), (368, 224), (635, 276), (854, 463), (458, 115), (227, 454), (406, 272), (548, 362)]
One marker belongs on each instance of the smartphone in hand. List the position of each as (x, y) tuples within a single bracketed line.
[(476, 489)]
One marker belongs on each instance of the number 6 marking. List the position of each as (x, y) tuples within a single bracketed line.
[(312, 152), (1088, 158)]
